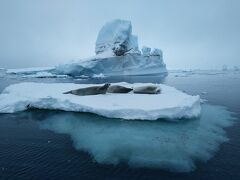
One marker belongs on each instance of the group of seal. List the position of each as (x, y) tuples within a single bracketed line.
[(108, 88)]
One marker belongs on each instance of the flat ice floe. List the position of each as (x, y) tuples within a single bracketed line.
[(170, 104)]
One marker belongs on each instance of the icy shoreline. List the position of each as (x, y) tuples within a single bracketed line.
[(170, 104)]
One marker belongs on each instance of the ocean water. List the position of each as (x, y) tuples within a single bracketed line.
[(41, 144)]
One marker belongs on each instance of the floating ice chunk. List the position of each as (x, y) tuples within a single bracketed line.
[(170, 104), (146, 51), (171, 146)]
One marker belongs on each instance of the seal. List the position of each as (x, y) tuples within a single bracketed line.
[(148, 89), (92, 90), (118, 89)]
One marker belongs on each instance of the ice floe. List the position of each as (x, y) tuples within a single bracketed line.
[(170, 103)]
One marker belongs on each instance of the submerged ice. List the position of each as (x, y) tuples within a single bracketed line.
[(158, 144)]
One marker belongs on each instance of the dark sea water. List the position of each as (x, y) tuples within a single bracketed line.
[(42, 144)]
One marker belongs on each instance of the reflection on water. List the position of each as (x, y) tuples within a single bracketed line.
[(155, 144)]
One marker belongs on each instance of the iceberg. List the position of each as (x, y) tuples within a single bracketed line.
[(117, 54), (169, 104)]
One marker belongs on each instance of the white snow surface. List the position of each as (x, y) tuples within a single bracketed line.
[(170, 104)]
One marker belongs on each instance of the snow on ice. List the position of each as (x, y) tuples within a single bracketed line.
[(170, 103)]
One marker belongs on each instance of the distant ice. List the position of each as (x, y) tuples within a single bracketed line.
[(187, 73), (36, 72), (158, 144), (29, 70), (170, 104), (45, 75)]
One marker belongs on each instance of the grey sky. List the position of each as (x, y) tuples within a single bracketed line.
[(192, 34)]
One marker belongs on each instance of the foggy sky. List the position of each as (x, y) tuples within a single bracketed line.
[(192, 34)]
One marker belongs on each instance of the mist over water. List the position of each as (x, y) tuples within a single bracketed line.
[(158, 144)]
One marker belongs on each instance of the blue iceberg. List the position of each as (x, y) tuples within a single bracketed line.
[(117, 54)]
